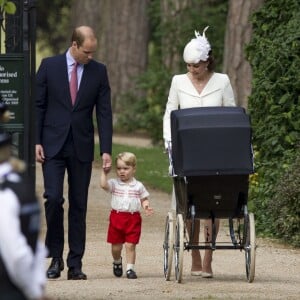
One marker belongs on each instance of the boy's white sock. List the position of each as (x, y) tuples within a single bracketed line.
[(118, 261), (130, 267)]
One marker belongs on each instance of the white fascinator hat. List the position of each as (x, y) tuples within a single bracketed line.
[(197, 49)]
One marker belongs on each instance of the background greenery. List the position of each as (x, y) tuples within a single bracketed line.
[(152, 165), (146, 114), (53, 25), (274, 54)]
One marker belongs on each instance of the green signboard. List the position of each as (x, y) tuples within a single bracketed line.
[(12, 88), (12, 93)]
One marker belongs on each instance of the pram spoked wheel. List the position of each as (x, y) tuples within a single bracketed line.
[(250, 246), (178, 247), (168, 245)]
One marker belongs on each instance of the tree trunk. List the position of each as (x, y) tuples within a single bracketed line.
[(170, 14), (122, 29), (238, 34)]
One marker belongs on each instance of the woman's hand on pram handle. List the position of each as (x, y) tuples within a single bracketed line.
[(168, 146)]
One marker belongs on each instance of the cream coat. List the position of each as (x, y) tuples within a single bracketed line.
[(183, 94)]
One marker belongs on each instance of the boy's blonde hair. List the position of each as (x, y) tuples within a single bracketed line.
[(128, 158)]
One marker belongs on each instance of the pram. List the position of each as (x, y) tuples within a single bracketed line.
[(210, 159)]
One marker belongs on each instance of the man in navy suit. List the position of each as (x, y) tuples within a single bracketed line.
[(65, 142)]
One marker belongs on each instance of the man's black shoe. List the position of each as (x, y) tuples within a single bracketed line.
[(76, 274), (56, 266)]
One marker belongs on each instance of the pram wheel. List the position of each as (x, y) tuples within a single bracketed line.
[(178, 247), (250, 247), (168, 245)]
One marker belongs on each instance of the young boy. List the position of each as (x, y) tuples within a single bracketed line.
[(125, 222)]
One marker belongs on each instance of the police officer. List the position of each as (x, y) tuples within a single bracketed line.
[(22, 255)]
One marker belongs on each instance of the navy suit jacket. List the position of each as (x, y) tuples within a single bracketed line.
[(55, 115)]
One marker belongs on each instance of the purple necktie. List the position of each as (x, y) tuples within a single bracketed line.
[(73, 83)]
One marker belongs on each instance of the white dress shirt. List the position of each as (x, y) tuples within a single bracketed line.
[(70, 64)]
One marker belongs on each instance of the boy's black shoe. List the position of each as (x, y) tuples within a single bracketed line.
[(131, 274), (118, 269)]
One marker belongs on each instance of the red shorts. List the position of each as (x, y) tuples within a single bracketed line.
[(124, 227)]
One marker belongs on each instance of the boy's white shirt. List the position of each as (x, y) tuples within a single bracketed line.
[(126, 196)]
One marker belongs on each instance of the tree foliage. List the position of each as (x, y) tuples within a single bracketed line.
[(172, 26), (274, 54), (6, 7), (53, 22), (177, 29)]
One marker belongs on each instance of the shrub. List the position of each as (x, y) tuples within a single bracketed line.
[(274, 55), (285, 208)]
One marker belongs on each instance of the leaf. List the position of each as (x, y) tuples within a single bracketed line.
[(284, 98), (10, 8)]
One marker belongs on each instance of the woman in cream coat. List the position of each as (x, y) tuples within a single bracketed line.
[(199, 87)]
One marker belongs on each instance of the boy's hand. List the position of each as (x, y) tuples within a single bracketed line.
[(146, 207), (148, 210)]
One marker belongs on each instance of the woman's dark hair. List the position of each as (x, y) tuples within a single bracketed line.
[(212, 63)]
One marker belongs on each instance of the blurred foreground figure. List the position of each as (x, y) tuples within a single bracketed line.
[(22, 256)]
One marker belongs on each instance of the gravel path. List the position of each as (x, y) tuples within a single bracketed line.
[(277, 267)]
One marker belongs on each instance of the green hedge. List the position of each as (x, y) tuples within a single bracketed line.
[(285, 209), (274, 54)]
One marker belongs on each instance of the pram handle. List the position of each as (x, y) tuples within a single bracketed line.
[(171, 168)]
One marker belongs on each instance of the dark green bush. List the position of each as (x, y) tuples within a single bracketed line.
[(285, 208), (274, 55)]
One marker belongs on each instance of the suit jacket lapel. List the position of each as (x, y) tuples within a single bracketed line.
[(63, 80)]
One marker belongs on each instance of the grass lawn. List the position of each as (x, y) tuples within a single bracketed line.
[(152, 165)]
